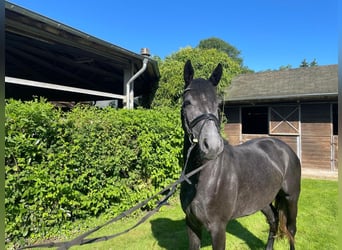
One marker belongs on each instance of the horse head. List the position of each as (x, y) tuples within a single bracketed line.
[(200, 114)]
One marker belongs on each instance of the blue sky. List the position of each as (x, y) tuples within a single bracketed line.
[(269, 33)]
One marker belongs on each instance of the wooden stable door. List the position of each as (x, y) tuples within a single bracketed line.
[(284, 120), (316, 136), (284, 124)]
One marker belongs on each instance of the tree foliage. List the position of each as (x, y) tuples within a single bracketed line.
[(285, 67), (313, 63), (171, 83), (221, 45), (305, 64)]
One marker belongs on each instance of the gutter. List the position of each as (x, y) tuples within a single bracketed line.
[(283, 97), (130, 85)]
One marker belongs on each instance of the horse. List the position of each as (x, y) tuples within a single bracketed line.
[(261, 174)]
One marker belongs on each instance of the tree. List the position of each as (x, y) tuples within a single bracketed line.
[(313, 63), (304, 64), (230, 50), (285, 67), (219, 44), (171, 82)]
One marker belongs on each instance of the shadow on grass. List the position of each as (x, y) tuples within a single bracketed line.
[(172, 235)]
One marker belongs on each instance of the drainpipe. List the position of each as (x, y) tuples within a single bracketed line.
[(130, 85)]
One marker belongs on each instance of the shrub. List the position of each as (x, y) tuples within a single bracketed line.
[(66, 166)]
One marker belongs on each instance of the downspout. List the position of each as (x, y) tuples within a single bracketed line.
[(129, 85)]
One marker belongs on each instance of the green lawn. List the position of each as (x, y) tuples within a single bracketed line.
[(317, 226)]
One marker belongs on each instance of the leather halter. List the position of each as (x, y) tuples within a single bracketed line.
[(193, 140), (203, 117), (189, 126), (206, 117)]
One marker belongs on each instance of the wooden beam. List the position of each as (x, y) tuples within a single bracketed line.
[(25, 82)]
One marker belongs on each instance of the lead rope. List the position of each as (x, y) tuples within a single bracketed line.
[(183, 175)]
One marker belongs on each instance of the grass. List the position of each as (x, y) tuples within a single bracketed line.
[(316, 226)]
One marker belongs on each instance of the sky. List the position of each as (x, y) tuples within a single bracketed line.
[(269, 33)]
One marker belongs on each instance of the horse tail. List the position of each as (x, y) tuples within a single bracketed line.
[(281, 207)]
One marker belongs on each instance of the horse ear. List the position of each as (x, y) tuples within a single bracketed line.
[(216, 75), (188, 73)]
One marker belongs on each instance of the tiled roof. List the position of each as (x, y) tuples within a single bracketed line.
[(293, 84)]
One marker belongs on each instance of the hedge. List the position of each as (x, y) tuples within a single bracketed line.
[(63, 166)]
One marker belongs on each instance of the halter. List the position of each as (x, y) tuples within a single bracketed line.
[(189, 126), (203, 117)]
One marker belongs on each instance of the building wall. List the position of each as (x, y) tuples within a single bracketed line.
[(316, 135), (232, 128), (307, 128)]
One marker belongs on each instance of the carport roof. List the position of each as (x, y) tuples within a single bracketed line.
[(40, 49)]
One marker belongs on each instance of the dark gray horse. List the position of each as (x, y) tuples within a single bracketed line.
[(261, 174)]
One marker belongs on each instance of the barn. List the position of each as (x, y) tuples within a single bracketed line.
[(298, 106)]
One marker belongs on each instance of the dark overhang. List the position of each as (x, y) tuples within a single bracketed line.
[(40, 49)]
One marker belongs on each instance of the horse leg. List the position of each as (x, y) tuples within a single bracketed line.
[(272, 219), (218, 235), (287, 205), (292, 218), (194, 234)]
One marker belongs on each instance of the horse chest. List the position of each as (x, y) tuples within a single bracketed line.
[(216, 193)]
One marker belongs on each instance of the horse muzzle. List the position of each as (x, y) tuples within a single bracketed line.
[(210, 142)]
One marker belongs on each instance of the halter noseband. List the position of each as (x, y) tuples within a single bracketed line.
[(203, 117), (207, 117)]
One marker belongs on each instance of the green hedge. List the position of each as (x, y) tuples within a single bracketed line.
[(63, 166)]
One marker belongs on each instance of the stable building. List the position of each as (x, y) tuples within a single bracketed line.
[(298, 106)]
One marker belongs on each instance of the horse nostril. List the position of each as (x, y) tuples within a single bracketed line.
[(205, 143)]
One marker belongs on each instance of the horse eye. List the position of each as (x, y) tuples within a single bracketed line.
[(186, 103)]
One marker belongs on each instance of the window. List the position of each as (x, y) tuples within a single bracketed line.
[(255, 120)]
